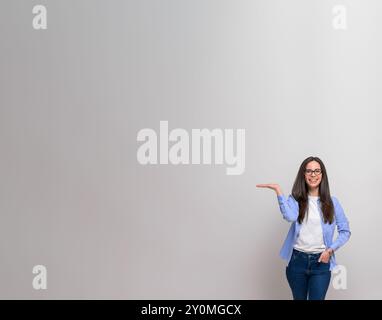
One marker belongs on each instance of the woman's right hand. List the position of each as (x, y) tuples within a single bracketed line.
[(273, 186)]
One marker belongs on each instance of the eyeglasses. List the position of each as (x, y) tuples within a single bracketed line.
[(310, 172)]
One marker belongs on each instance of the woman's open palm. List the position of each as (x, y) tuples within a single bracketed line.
[(273, 186)]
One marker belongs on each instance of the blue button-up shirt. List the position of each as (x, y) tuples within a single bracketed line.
[(289, 209)]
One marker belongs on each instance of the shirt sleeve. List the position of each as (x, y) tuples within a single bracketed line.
[(342, 225), (288, 207)]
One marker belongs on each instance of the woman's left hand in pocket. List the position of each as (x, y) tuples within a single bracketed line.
[(325, 256)]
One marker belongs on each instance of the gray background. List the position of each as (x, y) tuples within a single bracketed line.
[(73, 97)]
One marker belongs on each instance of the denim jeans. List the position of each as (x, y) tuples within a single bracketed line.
[(307, 277)]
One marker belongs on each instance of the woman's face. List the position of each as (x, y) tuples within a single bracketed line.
[(313, 174)]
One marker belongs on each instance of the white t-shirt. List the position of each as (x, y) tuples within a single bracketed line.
[(310, 238)]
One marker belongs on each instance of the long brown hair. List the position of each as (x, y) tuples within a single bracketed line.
[(300, 192)]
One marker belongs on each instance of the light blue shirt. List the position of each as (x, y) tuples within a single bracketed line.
[(289, 209)]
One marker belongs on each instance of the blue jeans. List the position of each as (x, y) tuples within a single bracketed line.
[(307, 277)]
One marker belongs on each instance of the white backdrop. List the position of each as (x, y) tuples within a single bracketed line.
[(75, 199)]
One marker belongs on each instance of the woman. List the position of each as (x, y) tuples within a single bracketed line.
[(309, 247)]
